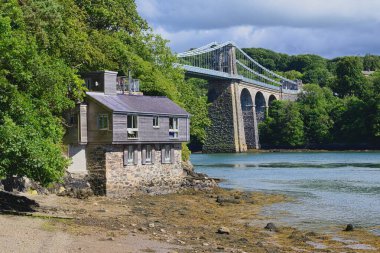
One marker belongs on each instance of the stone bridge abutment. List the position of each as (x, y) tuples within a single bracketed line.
[(236, 110)]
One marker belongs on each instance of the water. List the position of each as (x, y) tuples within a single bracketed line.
[(329, 188)]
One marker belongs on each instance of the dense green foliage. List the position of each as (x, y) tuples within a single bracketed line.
[(338, 108), (283, 126), (44, 44)]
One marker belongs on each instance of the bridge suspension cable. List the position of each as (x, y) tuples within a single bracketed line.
[(227, 59)]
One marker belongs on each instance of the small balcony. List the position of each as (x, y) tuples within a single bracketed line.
[(125, 84)]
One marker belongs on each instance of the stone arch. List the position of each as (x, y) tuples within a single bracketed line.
[(248, 117), (260, 107), (271, 99)]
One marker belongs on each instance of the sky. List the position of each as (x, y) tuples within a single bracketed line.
[(329, 28)]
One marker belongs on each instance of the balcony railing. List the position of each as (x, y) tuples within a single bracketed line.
[(127, 84)]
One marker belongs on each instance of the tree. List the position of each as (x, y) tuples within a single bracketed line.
[(374, 103), (353, 124), (283, 127), (302, 62), (317, 75), (349, 78), (371, 62), (316, 104), (44, 45), (292, 75), (193, 93)]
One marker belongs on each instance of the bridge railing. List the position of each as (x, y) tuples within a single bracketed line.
[(230, 60)]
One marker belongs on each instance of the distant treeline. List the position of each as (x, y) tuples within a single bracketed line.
[(339, 107)]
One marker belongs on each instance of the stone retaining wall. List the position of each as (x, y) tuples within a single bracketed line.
[(109, 176)]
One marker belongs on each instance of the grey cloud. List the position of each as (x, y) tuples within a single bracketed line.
[(202, 14), (326, 27)]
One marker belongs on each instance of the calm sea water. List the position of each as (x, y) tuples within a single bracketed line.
[(329, 188)]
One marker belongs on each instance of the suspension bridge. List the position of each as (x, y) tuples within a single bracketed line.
[(240, 92)]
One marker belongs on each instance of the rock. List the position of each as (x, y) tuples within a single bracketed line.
[(181, 242), (298, 236), (223, 230), (231, 200), (111, 239), (205, 244), (243, 240), (142, 229), (162, 230), (271, 227), (33, 192), (259, 244), (61, 189), (349, 228), (151, 225), (312, 234)]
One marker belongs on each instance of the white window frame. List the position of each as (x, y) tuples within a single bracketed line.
[(99, 119), (148, 154), (134, 129), (156, 120), (173, 132), (131, 155), (167, 154)]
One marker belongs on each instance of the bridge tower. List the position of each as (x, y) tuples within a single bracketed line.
[(240, 91)]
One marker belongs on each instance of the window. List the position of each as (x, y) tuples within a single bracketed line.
[(132, 127), (131, 154), (103, 122), (155, 122), (167, 154), (173, 128), (88, 82), (148, 158), (73, 119)]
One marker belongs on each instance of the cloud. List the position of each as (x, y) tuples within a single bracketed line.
[(326, 27)]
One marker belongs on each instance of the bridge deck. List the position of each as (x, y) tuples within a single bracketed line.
[(215, 74)]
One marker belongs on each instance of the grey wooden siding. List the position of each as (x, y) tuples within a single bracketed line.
[(71, 135), (110, 82), (95, 135), (83, 124), (147, 133), (182, 134), (119, 127)]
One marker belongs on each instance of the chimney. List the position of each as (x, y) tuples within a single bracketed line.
[(102, 81), (110, 81)]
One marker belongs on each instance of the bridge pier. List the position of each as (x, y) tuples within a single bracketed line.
[(234, 122), (225, 133), (236, 110)]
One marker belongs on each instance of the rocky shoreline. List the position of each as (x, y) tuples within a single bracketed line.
[(214, 220), (78, 186), (197, 217)]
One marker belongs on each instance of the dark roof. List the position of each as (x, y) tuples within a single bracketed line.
[(138, 104)]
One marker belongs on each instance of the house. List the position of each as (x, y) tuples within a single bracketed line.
[(124, 140)]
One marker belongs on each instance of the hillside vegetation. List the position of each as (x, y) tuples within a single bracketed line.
[(338, 108), (44, 45)]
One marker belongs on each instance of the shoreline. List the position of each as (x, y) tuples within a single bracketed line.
[(300, 150), (183, 222)]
